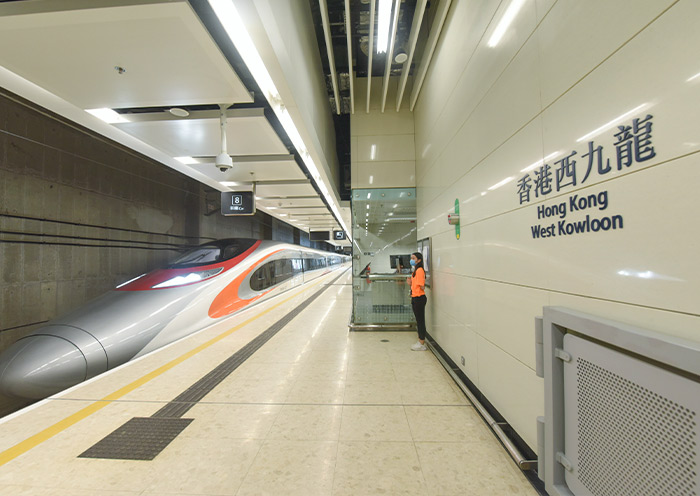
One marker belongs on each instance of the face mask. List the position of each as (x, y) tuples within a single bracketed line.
[(413, 263)]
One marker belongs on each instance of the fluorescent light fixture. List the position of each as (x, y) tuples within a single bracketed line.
[(539, 163), (373, 152), (501, 183), (186, 160), (106, 114), (383, 21), (505, 22), (369, 195), (371, 179), (367, 207), (395, 205), (237, 32), (233, 183), (610, 124)]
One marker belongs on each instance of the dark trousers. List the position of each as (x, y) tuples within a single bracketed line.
[(418, 304)]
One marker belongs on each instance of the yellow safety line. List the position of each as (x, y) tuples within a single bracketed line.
[(31, 442)]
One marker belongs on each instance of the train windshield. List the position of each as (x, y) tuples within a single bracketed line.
[(215, 252)]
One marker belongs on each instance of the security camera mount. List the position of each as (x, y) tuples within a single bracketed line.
[(223, 160)]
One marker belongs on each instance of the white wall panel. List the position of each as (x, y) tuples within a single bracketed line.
[(382, 144), (566, 69), (453, 75), (397, 174), (384, 147), (666, 322), (543, 7), (512, 388), (575, 37), (506, 318)]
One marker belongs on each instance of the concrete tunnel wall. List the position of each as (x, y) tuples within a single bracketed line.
[(79, 214)]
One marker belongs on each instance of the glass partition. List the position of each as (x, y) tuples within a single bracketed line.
[(384, 236)]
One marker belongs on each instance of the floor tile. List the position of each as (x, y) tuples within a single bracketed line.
[(191, 465), (372, 393), (307, 423), (447, 424), (468, 468), (214, 421), (292, 468), (374, 423), (369, 468), (429, 393)]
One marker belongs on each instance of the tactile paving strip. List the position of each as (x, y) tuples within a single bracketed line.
[(183, 402), (141, 438)]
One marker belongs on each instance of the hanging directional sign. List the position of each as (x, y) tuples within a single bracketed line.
[(237, 203)]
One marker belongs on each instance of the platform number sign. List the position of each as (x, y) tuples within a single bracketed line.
[(237, 203), (339, 235)]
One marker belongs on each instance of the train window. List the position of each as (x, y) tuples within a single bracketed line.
[(263, 278), (202, 255), (272, 273), (215, 252), (283, 270), (236, 247)]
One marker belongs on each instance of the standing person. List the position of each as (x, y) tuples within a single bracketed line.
[(418, 298)]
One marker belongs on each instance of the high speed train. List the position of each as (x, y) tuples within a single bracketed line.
[(202, 286)]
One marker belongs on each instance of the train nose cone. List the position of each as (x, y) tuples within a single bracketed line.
[(38, 366)]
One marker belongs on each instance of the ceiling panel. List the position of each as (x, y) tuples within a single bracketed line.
[(257, 171), (285, 190), (290, 202), (202, 137), (169, 57)]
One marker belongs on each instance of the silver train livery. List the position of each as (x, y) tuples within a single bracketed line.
[(202, 286)]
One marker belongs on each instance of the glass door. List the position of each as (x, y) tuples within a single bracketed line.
[(384, 236)]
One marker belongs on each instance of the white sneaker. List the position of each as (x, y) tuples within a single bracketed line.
[(419, 347)]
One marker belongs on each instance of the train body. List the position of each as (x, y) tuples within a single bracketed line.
[(206, 284)]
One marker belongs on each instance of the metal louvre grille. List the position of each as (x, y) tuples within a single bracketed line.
[(632, 441)]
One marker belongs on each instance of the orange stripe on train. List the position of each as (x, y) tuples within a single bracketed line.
[(228, 301)]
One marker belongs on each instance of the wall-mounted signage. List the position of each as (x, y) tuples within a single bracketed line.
[(339, 235), (633, 145), (319, 236), (582, 213), (237, 203)]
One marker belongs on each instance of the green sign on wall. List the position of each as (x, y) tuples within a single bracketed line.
[(457, 213)]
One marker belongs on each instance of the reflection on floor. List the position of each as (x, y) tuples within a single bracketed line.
[(316, 410)]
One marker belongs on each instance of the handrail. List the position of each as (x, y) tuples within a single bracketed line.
[(385, 277)]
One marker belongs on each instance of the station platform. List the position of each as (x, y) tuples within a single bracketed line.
[(255, 406)]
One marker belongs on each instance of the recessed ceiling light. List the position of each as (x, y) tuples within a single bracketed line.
[(179, 112), (400, 57), (186, 160)]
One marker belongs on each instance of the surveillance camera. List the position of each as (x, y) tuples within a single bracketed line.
[(223, 162)]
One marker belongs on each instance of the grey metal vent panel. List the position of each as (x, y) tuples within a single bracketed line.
[(631, 428)]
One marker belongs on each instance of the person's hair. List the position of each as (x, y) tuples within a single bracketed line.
[(419, 256)]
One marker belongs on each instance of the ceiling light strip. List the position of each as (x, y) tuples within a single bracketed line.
[(329, 50), (433, 38), (348, 36), (236, 30), (412, 40), (390, 52), (372, 6)]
